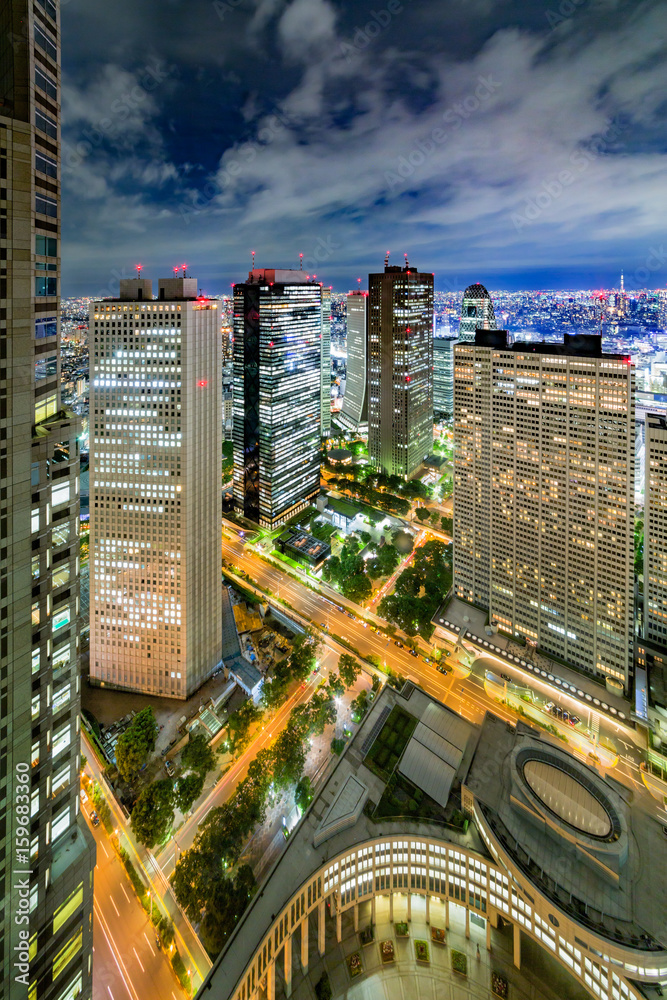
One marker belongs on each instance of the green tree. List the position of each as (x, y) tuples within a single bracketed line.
[(153, 813), (130, 755), (195, 876), (349, 669), (197, 755), (422, 513), (225, 907), (359, 706), (188, 790), (303, 793), (336, 686), (357, 588), (289, 758), (376, 683)]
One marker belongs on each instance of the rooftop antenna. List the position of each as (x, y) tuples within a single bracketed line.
[(301, 262), (176, 270), (406, 259), (622, 286), (253, 259), (138, 269), (386, 258), (184, 269)]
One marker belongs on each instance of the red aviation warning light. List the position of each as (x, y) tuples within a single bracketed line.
[(202, 383), (138, 268)]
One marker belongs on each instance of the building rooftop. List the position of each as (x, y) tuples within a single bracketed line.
[(343, 507), (582, 345), (573, 832)]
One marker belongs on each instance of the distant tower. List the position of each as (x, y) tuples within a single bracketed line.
[(400, 369), (476, 312)]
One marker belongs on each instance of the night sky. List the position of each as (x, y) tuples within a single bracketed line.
[(520, 144)]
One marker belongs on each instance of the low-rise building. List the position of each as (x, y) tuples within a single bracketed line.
[(303, 547)]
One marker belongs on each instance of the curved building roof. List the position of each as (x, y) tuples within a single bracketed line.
[(476, 291), (567, 798)]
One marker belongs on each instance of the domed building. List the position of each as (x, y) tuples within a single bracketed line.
[(477, 312)]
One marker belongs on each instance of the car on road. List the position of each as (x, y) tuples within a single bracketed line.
[(349, 614), (169, 768), (426, 659), (323, 625), (84, 797), (158, 940), (94, 818), (413, 652), (397, 642), (574, 720), (442, 669), (373, 628), (506, 677)]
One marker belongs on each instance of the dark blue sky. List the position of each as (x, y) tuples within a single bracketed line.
[(520, 144)]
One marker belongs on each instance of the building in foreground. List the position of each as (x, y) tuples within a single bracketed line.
[(544, 494), (277, 394), (325, 364), (400, 369), (476, 312), (155, 473), (443, 376), (553, 872), (47, 854), (355, 400), (652, 646)]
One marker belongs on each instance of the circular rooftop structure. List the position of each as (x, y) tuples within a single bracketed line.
[(569, 792), (565, 796)]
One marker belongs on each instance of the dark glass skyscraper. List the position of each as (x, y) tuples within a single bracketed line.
[(476, 312), (47, 854), (277, 394), (443, 376), (400, 369), (355, 400)]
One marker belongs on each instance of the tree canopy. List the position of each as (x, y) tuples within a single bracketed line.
[(134, 745), (153, 813), (349, 669), (188, 790), (197, 755)]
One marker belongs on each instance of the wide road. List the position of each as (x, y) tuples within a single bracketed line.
[(262, 737), (463, 694), (192, 951), (127, 962)]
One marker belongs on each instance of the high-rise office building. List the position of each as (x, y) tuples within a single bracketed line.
[(662, 308), (400, 369), (355, 400), (155, 476), (47, 854), (476, 312), (325, 364), (443, 376), (277, 394), (655, 530), (543, 494)]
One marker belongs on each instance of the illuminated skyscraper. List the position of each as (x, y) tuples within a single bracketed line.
[(277, 394), (655, 531), (443, 376), (400, 369), (355, 400), (476, 312), (47, 854), (544, 492), (155, 476), (325, 364)]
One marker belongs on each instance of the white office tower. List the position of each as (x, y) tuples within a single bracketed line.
[(476, 312), (325, 364), (355, 400), (155, 473), (655, 531), (543, 494)]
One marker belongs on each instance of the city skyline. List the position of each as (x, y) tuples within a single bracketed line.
[(538, 135)]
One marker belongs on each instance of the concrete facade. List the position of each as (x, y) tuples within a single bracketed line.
[(543, 495), (155, 472), (47, 854)]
